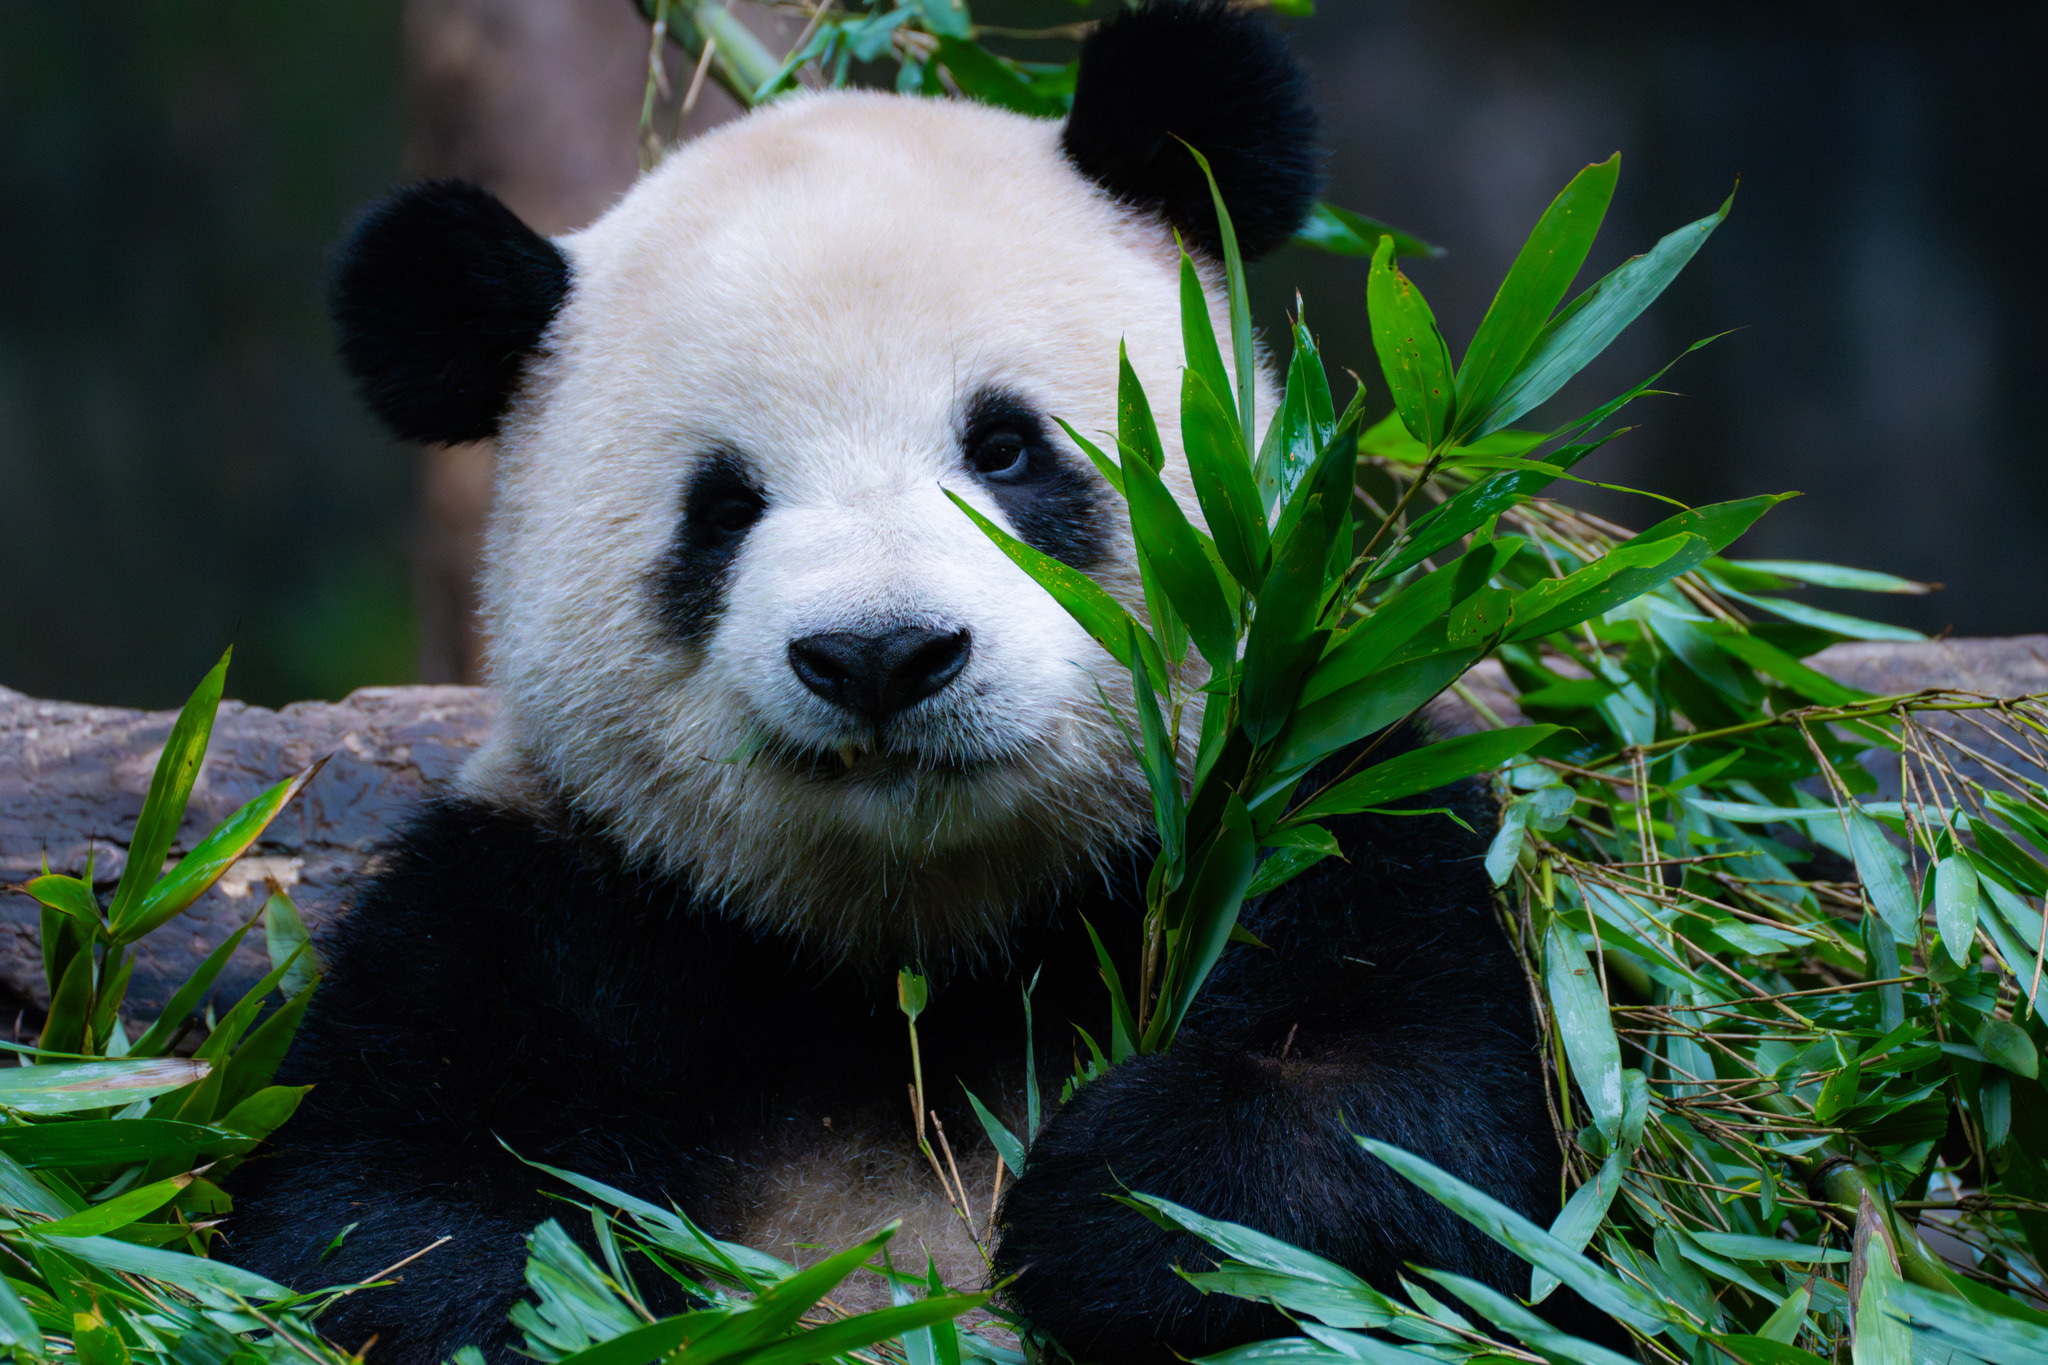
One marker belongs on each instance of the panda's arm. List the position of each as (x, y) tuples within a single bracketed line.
[(1387, 1003), (489, 991)]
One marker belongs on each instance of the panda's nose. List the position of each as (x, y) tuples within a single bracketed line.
[(875, 676)]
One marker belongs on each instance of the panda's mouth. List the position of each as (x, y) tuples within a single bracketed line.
[(860, 760)]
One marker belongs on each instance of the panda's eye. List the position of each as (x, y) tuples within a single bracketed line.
[(1001, 455), (721, 506), (731, 516)]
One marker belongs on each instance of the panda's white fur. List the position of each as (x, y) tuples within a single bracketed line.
[(824, 286)]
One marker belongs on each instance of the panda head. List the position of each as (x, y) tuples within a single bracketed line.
[(734, 621)]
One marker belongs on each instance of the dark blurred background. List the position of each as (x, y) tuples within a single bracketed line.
[(181, 464)]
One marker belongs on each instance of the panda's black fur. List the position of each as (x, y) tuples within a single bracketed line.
[(514, 982)]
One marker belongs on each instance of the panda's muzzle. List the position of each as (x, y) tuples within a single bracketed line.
[(877, 676)]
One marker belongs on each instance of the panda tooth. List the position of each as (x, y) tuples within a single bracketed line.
[(849, 752)]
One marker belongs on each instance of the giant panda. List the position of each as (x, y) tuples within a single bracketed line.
[(778, 720)]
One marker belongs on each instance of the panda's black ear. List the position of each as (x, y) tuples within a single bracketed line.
[(439, 295), (1218, 79)]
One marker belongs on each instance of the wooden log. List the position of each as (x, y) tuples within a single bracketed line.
[(73, 777)]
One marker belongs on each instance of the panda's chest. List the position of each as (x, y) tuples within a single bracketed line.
[(811, 1193)]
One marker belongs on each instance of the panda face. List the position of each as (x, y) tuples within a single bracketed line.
[(734, 617)]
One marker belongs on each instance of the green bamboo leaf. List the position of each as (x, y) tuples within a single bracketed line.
[(1344, 233), (1767, 659), (1104, 466), (263, 1113), (1883, 875), (1580, 1008), (1135, 428), (2007, 1044), (1327, 1304), (1955, 907), (194, 1274), (1411, 351), (1157, 755), (1505, 1313), (1421, 770), (1322, 727), (67, 895), (1000, 1137), (1788, 1319), (1405, 614), (1292, 440), (981, 75), (204, 865), (1745, 1247), (1534, 287), (17, 1326), (1283, 642), (1283, 865), (1764, 1350), (1123, 1025), (64, 1027), (1616, 578), (1469, 510), (1991, 1337), (1833, 576), (1223, 482), (1335, 1345), (285, 936), (1605, 1291), (61, 1089), (255, 1062), (1101, 615), (1253, 1248), (1595, 318), (913, 993), (117, 1212), (115, 1142), (1581, 1218), (1171, 550), (170, 787), (1210, 913), (1198, 336), (1879, 1333), (1835, 622), (187, 997), (1243, 347), (855, 1333)]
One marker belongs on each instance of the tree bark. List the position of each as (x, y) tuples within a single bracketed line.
[(539, 102)]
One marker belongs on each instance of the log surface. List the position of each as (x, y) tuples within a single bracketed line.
[(73, 777)]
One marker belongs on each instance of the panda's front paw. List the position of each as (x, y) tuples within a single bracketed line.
[(1197, 1126)]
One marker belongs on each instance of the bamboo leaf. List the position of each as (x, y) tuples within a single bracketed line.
[(1223, 482), (203, 866), (1535, 285), (1343, 717), (1955, 907), (1421, 770), (1171, 551), (170, 787), (1198, 339), (1585, 1027), (1532, 1243), (1411, 351), (1595, 318), (1243, 348), (1000, 1137), (1581, 1218), (57, 1089), (187, 997), (117, 1212), (1883, 876), (1344, 233), (1101, 615)]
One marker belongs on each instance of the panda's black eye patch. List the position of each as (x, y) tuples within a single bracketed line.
[(1049, 500), (721, 504)]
